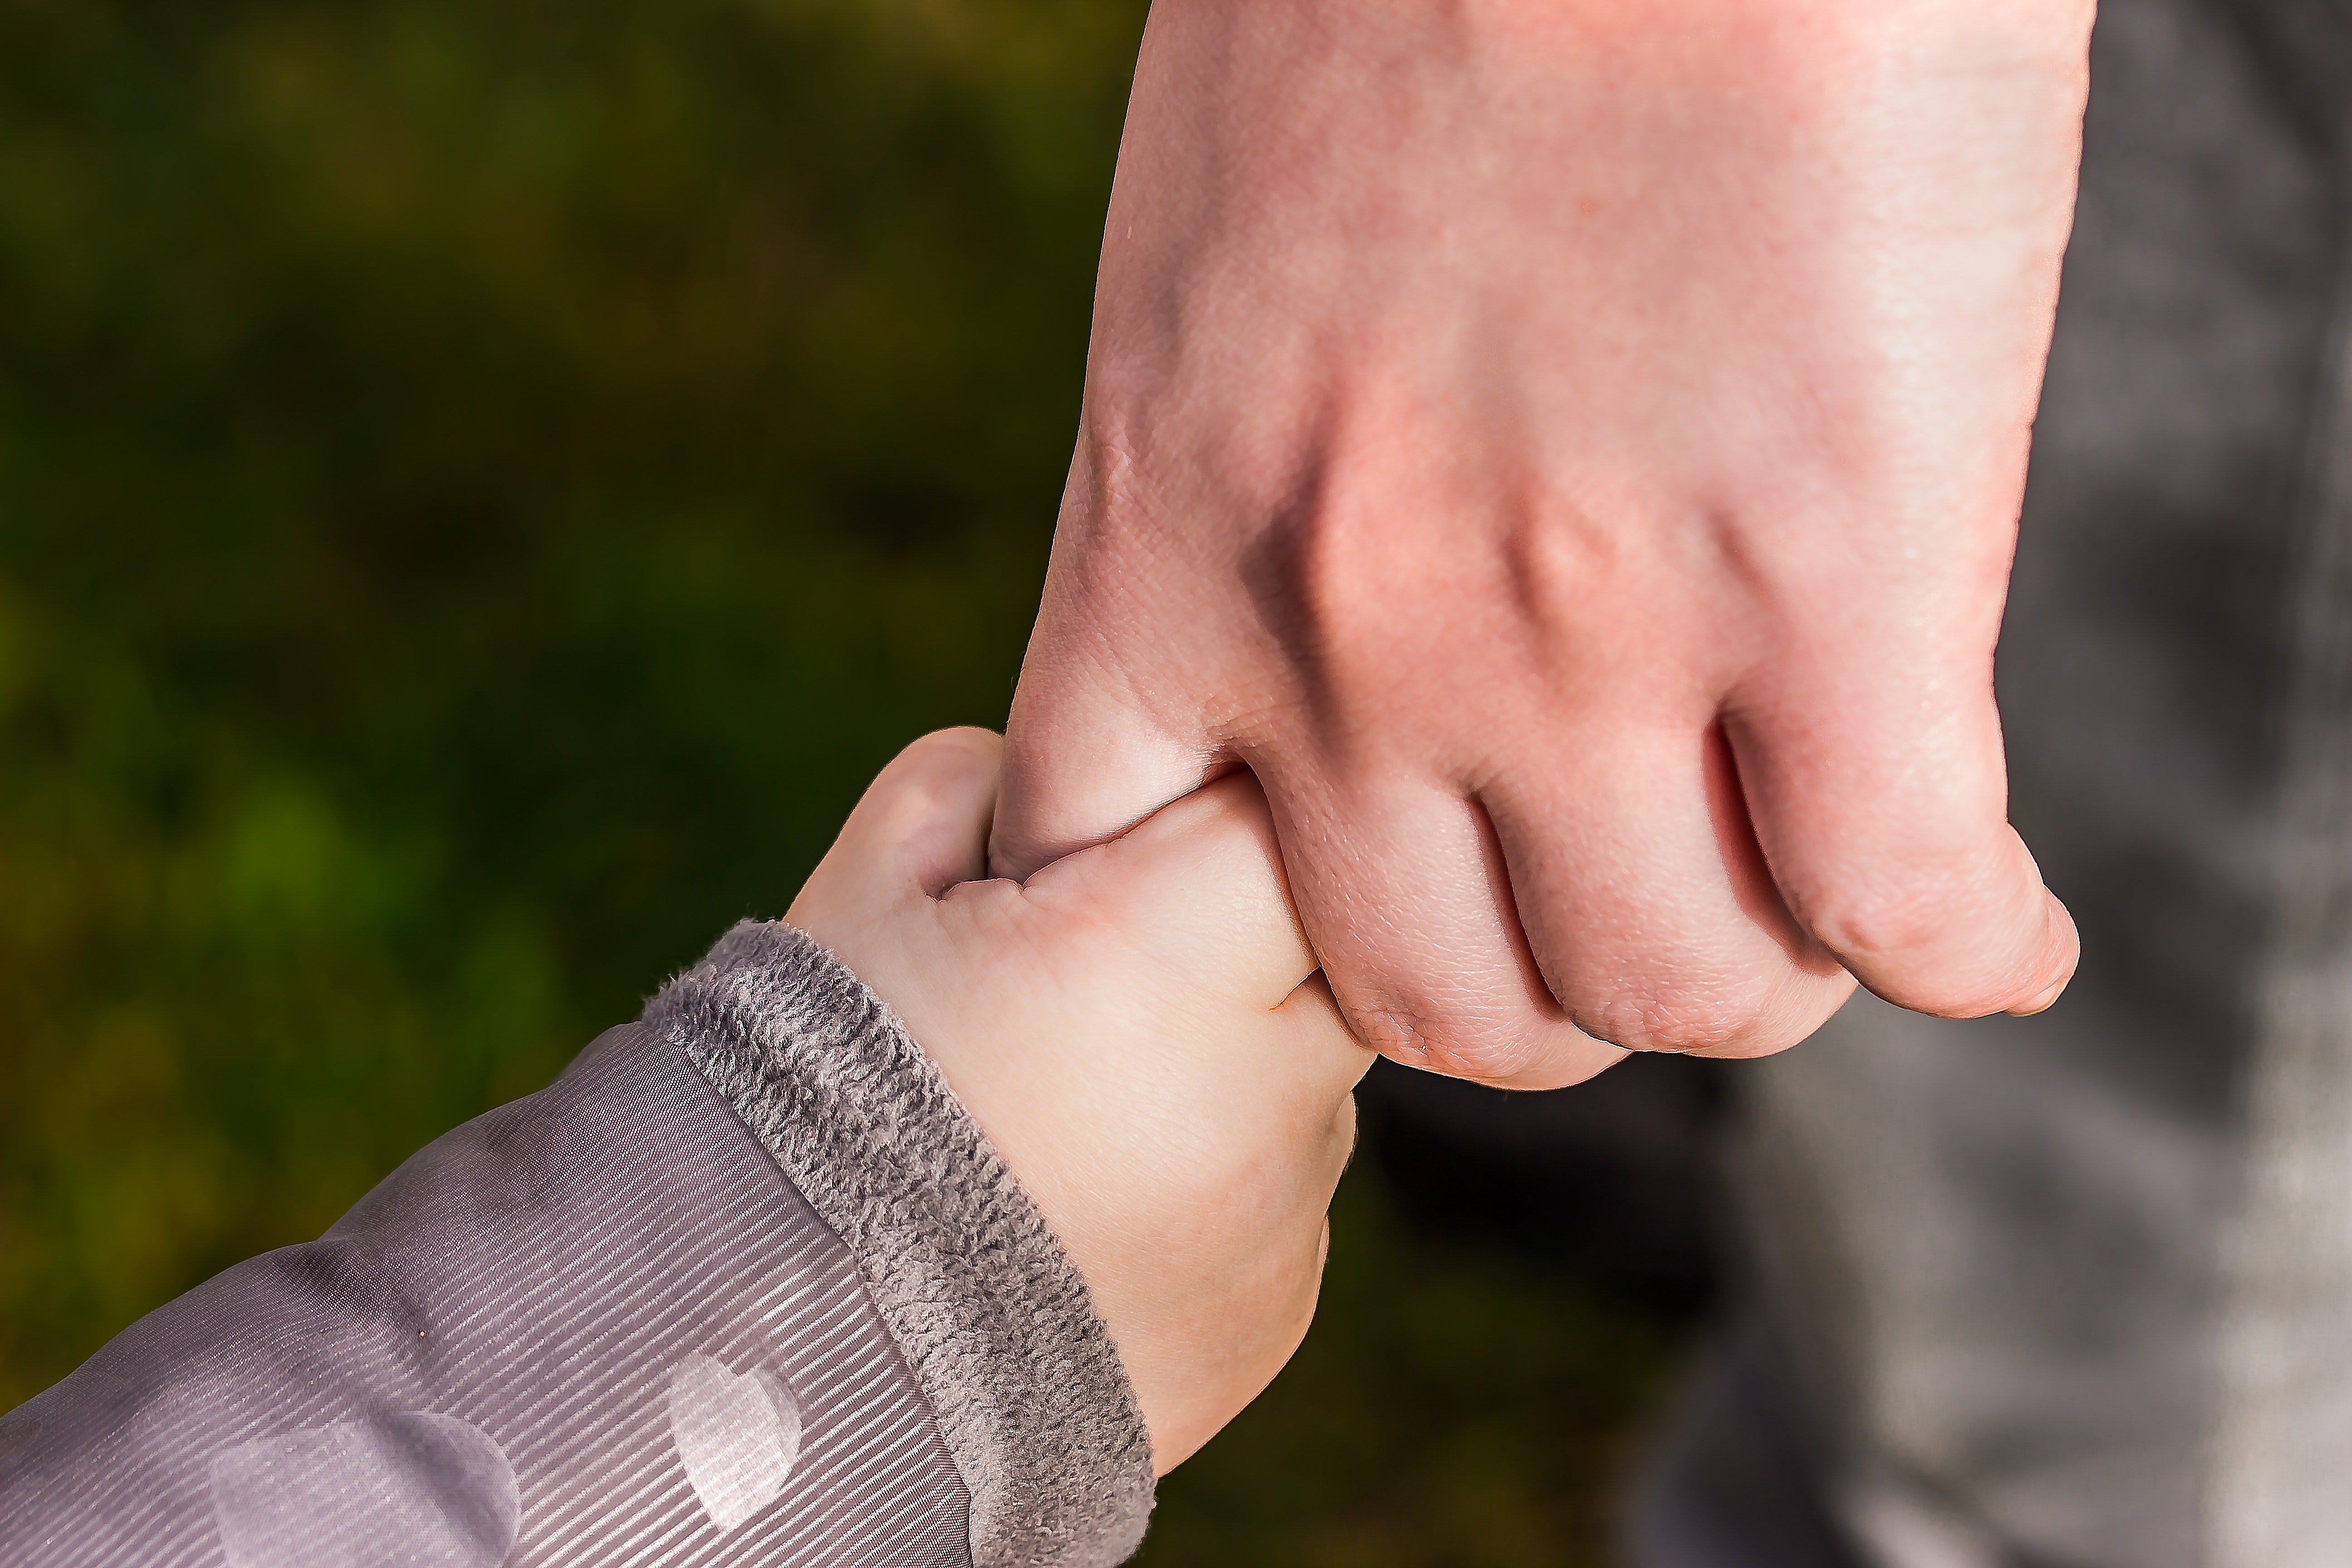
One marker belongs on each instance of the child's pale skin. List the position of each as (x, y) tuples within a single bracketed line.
[(1141, 1030)]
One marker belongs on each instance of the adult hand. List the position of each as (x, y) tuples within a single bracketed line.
[(1570, 451)]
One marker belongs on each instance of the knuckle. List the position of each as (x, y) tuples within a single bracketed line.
[(1502, 1052), (1680, 1021), (1751, 1001), (1437, 1040)]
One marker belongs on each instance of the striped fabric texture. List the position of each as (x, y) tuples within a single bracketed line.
[(594, 1326)]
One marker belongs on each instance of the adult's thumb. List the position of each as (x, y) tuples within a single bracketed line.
[(1083, 763)]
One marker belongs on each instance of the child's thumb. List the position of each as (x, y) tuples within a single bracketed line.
[(921, 825)]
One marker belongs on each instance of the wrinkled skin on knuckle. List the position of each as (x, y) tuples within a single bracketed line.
[(1679, 1021), (1475, 1051), (1754, 1006), (1409, 1036)]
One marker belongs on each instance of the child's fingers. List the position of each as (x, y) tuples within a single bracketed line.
[(921, 825), (1200, 882)]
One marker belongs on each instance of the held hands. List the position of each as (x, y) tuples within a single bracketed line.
[(1142, 1032), (1570, 450)]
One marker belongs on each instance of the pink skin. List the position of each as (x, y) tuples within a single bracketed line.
[(1140, 1031), (1570, 451)]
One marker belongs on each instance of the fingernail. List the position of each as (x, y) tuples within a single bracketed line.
[(2042, 1000)]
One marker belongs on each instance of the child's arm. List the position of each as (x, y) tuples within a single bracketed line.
[(749, 1282)]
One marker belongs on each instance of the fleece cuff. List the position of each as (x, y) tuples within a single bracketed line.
[(992, 1317)]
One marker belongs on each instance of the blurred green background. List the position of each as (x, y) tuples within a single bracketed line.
[(481, 487)]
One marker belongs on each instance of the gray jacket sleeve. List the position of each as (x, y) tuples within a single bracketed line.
[(745, 1285)]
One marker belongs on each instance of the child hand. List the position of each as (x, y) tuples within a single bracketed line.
[(1142, 1032)]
